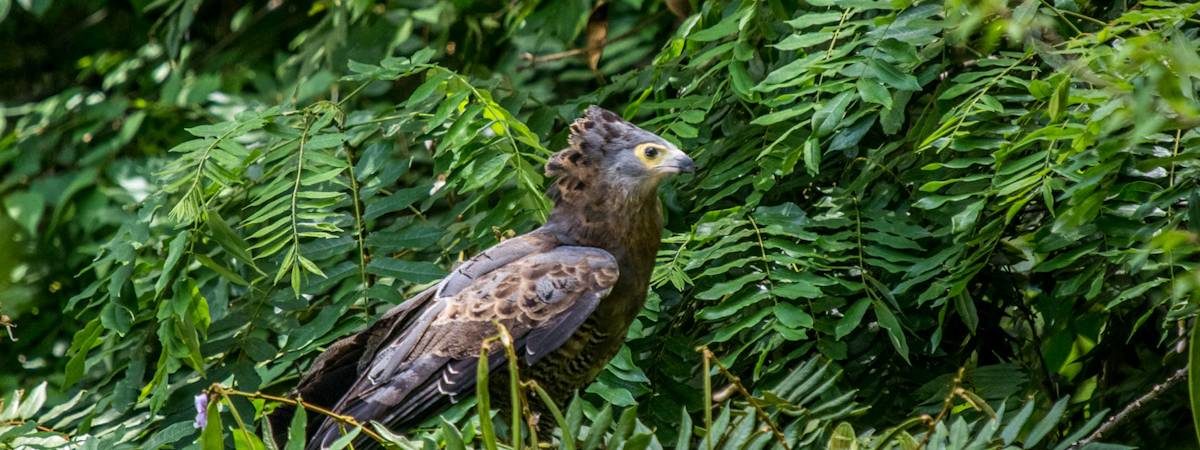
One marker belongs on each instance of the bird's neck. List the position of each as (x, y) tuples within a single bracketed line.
[(628, 225)]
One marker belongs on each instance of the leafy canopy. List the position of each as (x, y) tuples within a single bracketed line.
[(977, 210)]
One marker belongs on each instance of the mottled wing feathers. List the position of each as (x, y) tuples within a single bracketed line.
[(533, 293), (492, 258), (541, 298), (396, 345), (331, 375)]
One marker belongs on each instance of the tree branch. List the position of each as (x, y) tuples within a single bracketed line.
[(947, 405), (299, 403), (1132, 408), (535, 59), (36, 426), (737, 384)]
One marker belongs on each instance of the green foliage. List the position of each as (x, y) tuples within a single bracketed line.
[(890, 191)]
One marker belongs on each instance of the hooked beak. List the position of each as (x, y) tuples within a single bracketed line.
[(677, 162)]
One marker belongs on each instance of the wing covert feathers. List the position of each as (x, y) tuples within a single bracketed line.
[(540, 295)]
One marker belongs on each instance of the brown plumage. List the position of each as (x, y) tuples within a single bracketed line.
[(567, 292)]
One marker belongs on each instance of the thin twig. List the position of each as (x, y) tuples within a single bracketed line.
[(1063, 18), (946, 406), (568, 438), (737, 383), (8, 325), (358, 220), (36, 426), (535, 59), (1132, 408), (347, 420), (708, 397)]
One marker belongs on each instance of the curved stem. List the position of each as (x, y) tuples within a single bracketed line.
[(347, 420)]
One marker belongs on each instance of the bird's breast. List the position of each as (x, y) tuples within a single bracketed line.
[(574, 365)]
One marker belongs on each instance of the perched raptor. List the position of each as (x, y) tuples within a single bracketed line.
[(567, 292)]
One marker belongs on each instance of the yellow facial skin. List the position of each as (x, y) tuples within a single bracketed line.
[(651, 154), (661, 160)]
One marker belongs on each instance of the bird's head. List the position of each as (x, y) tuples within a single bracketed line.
[(607, 149)]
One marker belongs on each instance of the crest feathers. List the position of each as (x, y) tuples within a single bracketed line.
[(586, 140), (595, 127)]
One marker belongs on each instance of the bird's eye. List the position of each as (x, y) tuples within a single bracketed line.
[(649, 153)]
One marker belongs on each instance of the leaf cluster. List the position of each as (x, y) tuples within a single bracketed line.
[(898, 200)]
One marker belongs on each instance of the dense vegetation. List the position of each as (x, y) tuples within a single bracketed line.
[(917, 224)]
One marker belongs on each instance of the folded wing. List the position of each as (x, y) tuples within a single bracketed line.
[(541, 298)]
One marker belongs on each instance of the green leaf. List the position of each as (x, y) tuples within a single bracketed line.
[(345, 440), (295, 279), (211, 438), (174, 253), (793, 291), (781, 115), (458, 130), (1068, 258), (684, 130), (787, 72), (895, 332), (418, 236), (1040, 89), (873, 92), (25, 208), (808, 19), (310, 266), (32, 402), (740, 79), (296, 433), (220, 269), (83, 341), (1047, 424), (613, 395), (485, 173), (803, 40), (725, 27), (685, 431), (230, 240), (399, 200), (792, 316), (964, 220), (432, 82), (243, 439), (811, 153), (598, 428), (1058, 102), (411, 271), (965, 306), (851, 318), (830, 115), (723, 289), (891, 76), (323, 141), (1013, 428), (451, 436), (843, 438), (731, 306)]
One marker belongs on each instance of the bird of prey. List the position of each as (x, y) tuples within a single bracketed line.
[(567, 292)]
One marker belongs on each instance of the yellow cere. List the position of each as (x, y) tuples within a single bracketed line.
[(650, 153)]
